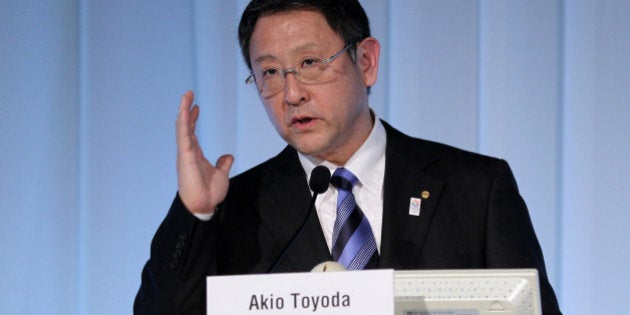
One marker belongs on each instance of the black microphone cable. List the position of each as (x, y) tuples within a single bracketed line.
[(319, 181)]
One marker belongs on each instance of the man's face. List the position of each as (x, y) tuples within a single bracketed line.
[(328, 120)]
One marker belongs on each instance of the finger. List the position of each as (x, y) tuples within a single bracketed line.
[(224, 163), (186, 101), (183, 131), (194, 115)]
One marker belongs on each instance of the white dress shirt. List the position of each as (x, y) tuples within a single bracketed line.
[(368, 165)]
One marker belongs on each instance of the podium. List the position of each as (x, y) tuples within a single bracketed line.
[(379, 292)]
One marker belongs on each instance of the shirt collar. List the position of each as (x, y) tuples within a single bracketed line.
[(367, 163)]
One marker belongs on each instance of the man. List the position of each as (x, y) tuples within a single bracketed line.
[(313, 63)]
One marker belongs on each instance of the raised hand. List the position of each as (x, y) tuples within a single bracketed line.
[(202, 186)]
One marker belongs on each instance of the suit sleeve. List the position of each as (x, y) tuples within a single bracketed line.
[(511, 241), (173, 280)]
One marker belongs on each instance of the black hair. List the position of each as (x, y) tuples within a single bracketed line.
[(345, 17)]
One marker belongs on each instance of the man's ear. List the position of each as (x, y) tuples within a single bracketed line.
[(368, 52)]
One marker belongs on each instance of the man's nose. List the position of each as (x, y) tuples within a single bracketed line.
[(294, 92)]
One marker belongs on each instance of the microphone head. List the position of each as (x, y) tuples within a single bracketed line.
[(320, 178)]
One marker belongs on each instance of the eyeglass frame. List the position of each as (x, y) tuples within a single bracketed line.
[(251, 79)]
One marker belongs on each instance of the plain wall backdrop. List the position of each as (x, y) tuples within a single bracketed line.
[(89, 93)]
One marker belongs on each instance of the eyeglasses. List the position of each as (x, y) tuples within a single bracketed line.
[(311, 70)]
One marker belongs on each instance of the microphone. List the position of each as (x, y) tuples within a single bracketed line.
[(320, 178), (319, 181)]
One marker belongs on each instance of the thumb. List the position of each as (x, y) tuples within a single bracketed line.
[(224, 163)]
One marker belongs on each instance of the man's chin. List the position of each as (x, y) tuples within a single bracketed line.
[(310, 149)]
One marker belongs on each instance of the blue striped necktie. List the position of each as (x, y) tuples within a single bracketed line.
[(353, 242)]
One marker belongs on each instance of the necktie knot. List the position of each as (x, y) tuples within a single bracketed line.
[(343, 179)]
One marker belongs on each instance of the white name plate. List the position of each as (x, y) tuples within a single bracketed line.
[(350, 292)]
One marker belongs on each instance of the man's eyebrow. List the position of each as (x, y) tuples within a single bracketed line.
[(270, 57), (266, 57)]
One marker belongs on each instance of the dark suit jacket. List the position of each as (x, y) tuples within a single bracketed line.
[(474, 217)]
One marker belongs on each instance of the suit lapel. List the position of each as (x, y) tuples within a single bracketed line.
[(284, 202), (285, 198), (403, 233)]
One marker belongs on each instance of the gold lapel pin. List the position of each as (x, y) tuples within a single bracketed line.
[(425, 194)]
